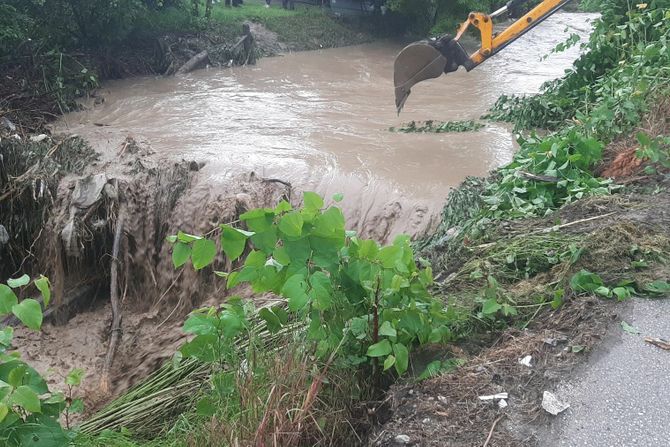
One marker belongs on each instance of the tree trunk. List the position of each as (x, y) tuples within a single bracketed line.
[(208, 9)]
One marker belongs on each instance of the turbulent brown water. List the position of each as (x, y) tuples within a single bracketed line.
[(320, 121)]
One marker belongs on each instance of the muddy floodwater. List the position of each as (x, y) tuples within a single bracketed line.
[(320, 121)]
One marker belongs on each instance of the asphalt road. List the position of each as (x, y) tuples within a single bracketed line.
[(621, 396)]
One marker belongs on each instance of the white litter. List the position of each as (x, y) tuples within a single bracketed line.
[(502, 403), (38, 138), (494, 396), (526, 361), (552, 404)]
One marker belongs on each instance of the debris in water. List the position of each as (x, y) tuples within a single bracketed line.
[(494, 396), (526, 361), (87, 190), (658, 342), (438, 126), (552, 404)]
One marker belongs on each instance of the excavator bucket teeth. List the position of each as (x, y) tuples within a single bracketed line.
[(415, 63)]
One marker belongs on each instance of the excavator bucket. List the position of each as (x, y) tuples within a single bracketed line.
[(415, 63)]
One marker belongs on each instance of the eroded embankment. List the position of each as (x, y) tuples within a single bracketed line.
[(157, 198)]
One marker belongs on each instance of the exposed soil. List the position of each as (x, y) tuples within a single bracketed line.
[(447, 411), (160, 198)]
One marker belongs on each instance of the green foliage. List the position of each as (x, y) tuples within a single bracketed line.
[(655, 150), (356, 298), (438, 127), (545, 174), (625, 64), (29, 412)]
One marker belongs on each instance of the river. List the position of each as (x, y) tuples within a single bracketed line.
[(320, 120)]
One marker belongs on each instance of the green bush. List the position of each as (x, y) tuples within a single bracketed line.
[(29, 412)]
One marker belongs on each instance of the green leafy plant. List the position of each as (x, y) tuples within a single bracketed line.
[(369, 303), (29, 412), (655, 150), (624, 65), (545, 174)]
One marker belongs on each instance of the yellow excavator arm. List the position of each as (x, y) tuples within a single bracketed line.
[(431, 58)]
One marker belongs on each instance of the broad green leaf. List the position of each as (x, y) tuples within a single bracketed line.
[(233, 242), (200, 324), (265, 241), (330, 224), (187, 238), (3, 411), (338, 197), (259, 220), (630, 329), (171, 239), (379, 349), (509, 310), (271, 320), (658, 287), (7, 299), (432, 370), (402, 358), (312, 201), (389, 362), (281, 256), (6, 335), (27, 399), (281, 314), (203, 253), (43, 286), (622, 293), (389, 255), (294, 290), (74, 377), (368, 249), (231, 323), (77, 406), (17, 375), (322, 290), (585, 281), (490, 307), (387, 330), (291, 224), (206, 407), (283, 207), (29, 312), (603, 291), (180, 254), (18, 282)]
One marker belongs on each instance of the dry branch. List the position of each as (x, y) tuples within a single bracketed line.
[(114, 299), (194, 62)]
